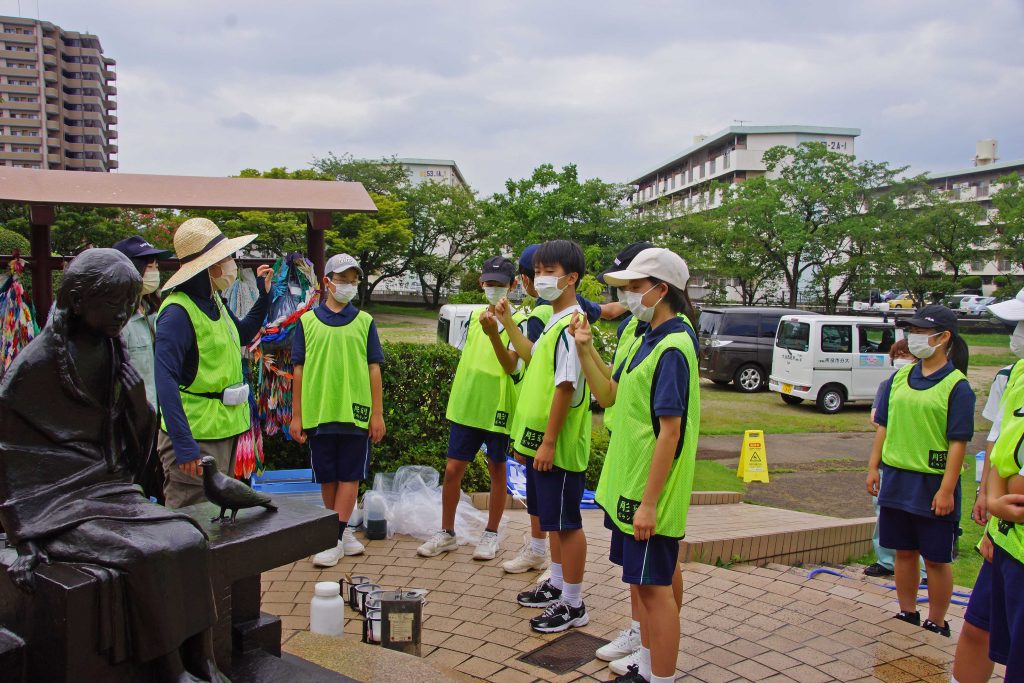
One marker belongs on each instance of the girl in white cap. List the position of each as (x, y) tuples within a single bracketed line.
[(648, 472)]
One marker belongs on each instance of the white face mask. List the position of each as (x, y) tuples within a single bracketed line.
[(495, 294), (1017, 340), (343, 293), (227, 277), (637, 308), (547, 287), (919, 346), (150, 281), (900, 362)]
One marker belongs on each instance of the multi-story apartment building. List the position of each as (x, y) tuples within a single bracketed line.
[(730, 155), (434, 170), (57, 98), (977, 184)]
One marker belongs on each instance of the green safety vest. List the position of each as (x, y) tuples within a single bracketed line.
[(519, 318), (220, 366), (481, 393), (1006, 460), (624, 350), (631, 449), (542, 313), (335, 377), (530, 419), (915, 436)]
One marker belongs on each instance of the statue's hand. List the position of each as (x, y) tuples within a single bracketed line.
[(131, 379), (22, 570)]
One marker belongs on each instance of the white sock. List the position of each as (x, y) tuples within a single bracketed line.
[(556, 576), (661, 679), (572, 593), (635, 626), (539, 546), (645, 662)]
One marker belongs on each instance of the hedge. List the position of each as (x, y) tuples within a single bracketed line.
[(417, 381)]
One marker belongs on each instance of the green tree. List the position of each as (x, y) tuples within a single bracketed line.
[(379, 241), (1009, 200), (446, 233), (554, 204), (380, 176)]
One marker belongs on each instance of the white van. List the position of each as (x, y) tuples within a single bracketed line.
[(453, 321), (831, 359)]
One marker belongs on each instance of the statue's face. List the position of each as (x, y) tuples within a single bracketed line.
[(106, 314)]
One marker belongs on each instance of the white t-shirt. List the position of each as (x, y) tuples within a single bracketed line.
[(993, 412), (567, 360)]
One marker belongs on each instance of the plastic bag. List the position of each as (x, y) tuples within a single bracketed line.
[(412, 497)]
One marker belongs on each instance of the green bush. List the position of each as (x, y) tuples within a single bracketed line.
[(10, 240), (970, 282), (475, 297), (598, 450)]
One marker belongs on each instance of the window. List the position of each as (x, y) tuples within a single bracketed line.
[(712, 165), (876, 339), (740, 325), (836, 339), (708, 323), (794, 335), (768, 327)]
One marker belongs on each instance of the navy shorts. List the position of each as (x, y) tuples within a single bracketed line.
[(554, 496), (465, 442), (901, 530), (339, 457), (1006, 625), (979, 607), (653, 562)]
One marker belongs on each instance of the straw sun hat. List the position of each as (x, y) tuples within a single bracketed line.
[(199, 244)]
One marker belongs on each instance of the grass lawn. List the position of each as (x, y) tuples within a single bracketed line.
[(724, 410), (396, 309), (986, 339), (995, 360), (712, 476)]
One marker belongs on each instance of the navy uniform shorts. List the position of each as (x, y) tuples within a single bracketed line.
[(979, 607), (1006, 625), (934, 538), (653, 562), (465, 442), (554, 497), (339, 457)]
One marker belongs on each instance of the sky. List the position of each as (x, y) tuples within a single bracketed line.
[(210, 88)]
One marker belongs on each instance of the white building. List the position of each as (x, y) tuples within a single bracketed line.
[(435, 170)]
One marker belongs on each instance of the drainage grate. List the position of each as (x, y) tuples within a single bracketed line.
[(565, 653)]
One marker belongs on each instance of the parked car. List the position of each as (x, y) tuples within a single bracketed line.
[(831, 360), (976, 306), (736, 344), (453, 321), (901, 301)]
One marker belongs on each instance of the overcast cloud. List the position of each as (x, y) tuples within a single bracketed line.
[(209, 88)]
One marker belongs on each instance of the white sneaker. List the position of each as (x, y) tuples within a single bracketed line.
[(440, 542), (487, 548), (526, 560), (350, 544), (329, 557), (624, 645), (620, 667)]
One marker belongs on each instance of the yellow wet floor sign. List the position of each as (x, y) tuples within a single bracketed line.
[(753, 457)]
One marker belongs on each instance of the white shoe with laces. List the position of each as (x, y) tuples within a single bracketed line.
[(440, 542), (526, 560), (620, 667), (329, 557), (350, 544), (624, 645), (487, 548)]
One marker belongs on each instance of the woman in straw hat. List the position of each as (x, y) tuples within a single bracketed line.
[(203, 396)]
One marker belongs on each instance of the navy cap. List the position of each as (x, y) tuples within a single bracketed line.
[(498, 269), (933, 316), (137, 247), (624, 258), (526, 258)]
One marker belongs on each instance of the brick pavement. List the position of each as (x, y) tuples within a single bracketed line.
[(741, 623)]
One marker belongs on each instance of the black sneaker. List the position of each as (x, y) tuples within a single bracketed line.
[(877, 570), (910, 617), (540, 596), (935, 628), (560, 617), (632, 675)]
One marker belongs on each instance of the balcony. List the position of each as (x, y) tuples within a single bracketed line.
[(50, 76), (52, 109), (50, 60), (33, 141), (49, 44), (21, 156), (23, 106), (6, 88), (109, 75), (19, 73), (111, 134), (18, 38), (110, 90), (52, 125), (111, 149), (18, 54), (111, 120), (53, 158), (111, 105), (51, 93), (53, 143), (112, 164)]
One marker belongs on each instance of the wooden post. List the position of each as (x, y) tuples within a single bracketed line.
[(41, 217), (316, 223)]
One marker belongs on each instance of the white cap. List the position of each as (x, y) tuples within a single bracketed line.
[(662, 264), (1012, 310), (327, 589), (339, 263)]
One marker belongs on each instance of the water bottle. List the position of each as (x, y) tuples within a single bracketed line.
[(327, 609), (374, 510), (979, 464)]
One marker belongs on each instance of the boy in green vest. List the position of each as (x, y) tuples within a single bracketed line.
[(551, 435), (337, 396), (479, 409), (925, 418), (648, 472)]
